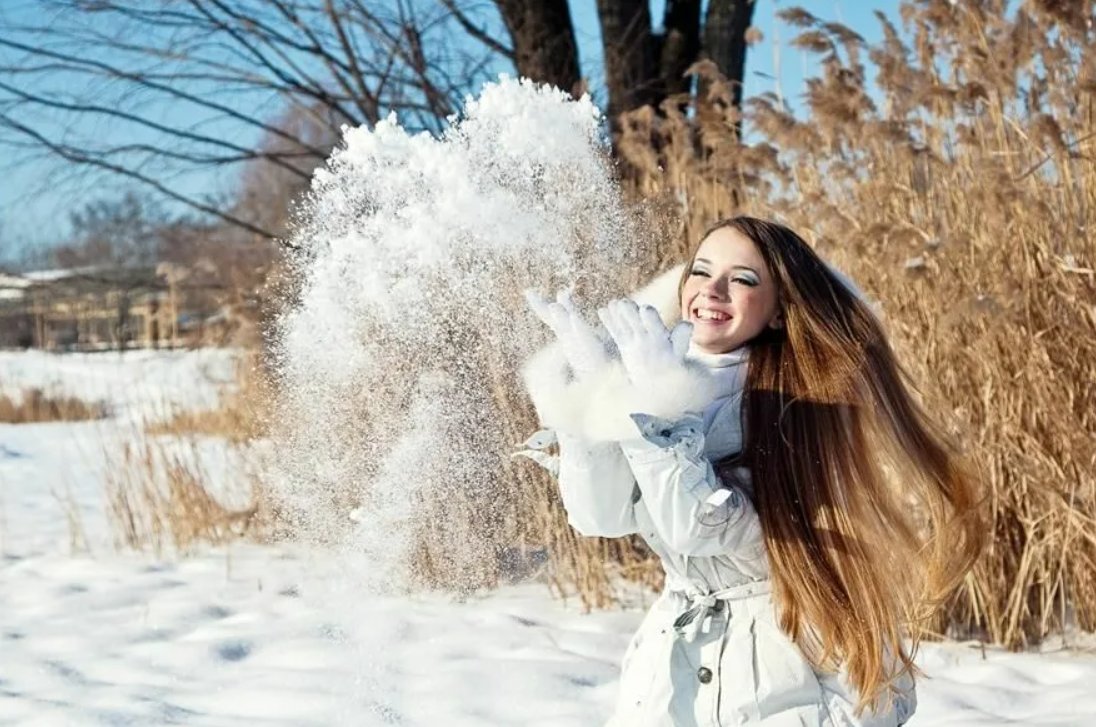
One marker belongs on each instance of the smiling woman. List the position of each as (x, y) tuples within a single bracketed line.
[(781, 470), (727, 293)]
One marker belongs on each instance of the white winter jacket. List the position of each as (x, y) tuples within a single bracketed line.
[(710, 651)]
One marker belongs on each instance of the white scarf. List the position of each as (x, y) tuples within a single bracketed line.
[(722, 417), (729, 368)]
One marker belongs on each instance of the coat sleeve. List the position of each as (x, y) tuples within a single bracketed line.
[(693, 512), (597, 487), (841, 698), (905, 698)]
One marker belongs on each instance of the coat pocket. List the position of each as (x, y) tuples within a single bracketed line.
[(646, 658), (786, 689)]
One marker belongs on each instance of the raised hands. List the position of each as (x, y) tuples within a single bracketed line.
[(584, 349), (647, 348)]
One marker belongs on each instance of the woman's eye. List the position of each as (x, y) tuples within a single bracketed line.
[(704, 273), (745, 281)]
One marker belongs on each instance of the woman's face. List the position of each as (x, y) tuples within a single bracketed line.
[(729, 296)]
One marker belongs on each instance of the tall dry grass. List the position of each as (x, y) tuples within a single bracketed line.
[(161, 495), (35, 405), (161, 499), (962, 196), (242, 414)]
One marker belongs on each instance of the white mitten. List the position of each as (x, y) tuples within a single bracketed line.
[(647, 349), (584, 349)]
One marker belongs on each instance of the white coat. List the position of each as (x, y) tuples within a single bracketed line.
[(710, 652)]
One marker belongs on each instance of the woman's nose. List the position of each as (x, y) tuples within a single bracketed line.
[(714, 288)]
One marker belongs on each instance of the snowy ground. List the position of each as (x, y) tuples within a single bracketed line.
[(135, 384), (254, 635)]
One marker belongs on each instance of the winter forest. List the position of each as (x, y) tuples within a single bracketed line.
[(268, 301)]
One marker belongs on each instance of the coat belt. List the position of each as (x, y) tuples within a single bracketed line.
[(701, 605)]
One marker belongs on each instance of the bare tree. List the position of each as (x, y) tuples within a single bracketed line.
[(172, 73), (179, 87), (543, 38), (118, 232), (265, 193)]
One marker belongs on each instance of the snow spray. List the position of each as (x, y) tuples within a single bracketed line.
[(415, 250)]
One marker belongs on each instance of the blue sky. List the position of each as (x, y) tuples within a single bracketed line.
[(34, 207)]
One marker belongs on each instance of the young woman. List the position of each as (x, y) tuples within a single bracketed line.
[(808, 516)]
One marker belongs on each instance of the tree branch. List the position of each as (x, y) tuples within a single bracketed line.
[(476, 32), (82, 158)]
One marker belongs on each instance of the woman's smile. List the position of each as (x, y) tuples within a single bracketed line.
[(710, 316)]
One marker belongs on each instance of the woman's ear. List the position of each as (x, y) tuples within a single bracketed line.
[(777, 321)]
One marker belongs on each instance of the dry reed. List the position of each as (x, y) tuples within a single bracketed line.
[(74, 522), (159, 493), (961, 194), (37, 406), (239, 417), (158, 496), (962, 197)]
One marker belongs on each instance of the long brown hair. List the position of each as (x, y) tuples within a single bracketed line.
[(870, 520)]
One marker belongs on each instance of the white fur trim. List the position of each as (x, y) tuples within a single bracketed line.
[(598, 408), (661, 293), (546, 374)]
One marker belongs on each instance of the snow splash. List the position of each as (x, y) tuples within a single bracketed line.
[(398, 364)]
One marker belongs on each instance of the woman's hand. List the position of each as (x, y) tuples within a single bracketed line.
[(647, 348), (584, 349)]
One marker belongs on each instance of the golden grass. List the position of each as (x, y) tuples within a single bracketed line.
[(240, 416), (37, 406), (74, 522), (965, 203), (158, 491), (158, 496)]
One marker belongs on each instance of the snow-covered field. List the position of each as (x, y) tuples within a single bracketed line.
[(137, 385), (263, 635)]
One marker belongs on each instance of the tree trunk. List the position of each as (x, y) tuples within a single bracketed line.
[(543, 41), (629, 56), (680, 45), (640, 67), (725, 40)]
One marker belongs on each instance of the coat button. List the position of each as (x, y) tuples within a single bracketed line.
[(704, 674)]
